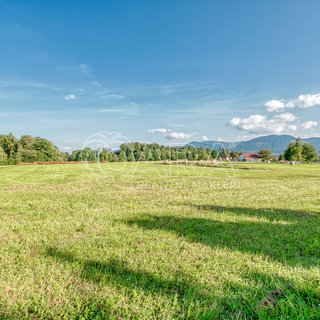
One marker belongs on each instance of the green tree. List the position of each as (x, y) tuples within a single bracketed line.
[(3, 156), (156, 155), (301, 151), (76, 155), (107, 156), (265, 154), (165, 153), (182, 155), (294, 151), (115, 157), (203, 154), (87, 154), (10, 145), (149, 155), (46, 151), (173, 154), (142, 156), (130, 157), (28, 152), (122, 157), (65, 156), (309, 152)]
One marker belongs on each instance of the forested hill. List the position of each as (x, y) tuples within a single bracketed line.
[(276, 143)]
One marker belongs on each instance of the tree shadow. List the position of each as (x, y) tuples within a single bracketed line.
[(294, 240), (119, 274), (194, 301), (272, 214)]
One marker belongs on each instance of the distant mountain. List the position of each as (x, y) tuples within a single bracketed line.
[(209, 144), (276, 143)]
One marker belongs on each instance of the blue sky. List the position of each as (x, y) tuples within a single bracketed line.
[(196, 70)]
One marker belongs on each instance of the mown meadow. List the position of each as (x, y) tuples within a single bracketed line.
[(156, 241)]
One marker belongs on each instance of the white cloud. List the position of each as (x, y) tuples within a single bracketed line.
[(70, 97), (303, 101), (309, 124), (274, 105), (158, 130), (179, 135), (204, 138), (286, 117), (259, 124), (308, 100), (292, 127)]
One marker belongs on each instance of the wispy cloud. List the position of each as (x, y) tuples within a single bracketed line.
[(112, 96), (158, 130), (25, 83), (85, 68)]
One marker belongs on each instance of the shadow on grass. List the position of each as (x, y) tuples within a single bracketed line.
[(117, 272), (272, 214), (294, 242), (191, 301)]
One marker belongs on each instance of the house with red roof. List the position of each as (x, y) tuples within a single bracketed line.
[(252, 157)]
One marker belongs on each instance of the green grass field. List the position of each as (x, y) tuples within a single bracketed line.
[(203, 243)]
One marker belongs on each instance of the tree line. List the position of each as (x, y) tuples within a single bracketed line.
[(37, 149), (136, 151)]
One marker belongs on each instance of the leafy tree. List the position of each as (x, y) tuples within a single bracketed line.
[(65, 156), (27, 141), (107, 156), (76, 155), (29, 155), (173, 154), (294, 151), (10, 145), (203, 154), (149, 155), (86, 155), (115, 157), (142, 156), (28, 152), (265, 154), (289, 153), (130, 157), (165, 153), (46, 151), (3, 156), (309, 152), (122, 157), (182, 155), (299, 151), (156, 155)]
